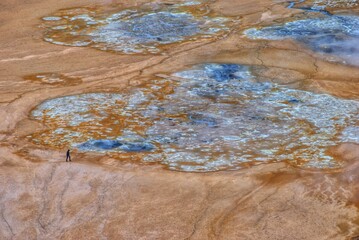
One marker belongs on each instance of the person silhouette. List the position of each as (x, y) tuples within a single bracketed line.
[(68, 157)]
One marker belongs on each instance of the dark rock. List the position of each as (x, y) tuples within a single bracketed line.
[(200, 119), (222, 72)]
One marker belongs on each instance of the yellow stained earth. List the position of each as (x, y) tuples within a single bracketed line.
[(117, 196)]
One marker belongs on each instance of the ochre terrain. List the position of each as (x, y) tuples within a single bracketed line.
[(98, 197)]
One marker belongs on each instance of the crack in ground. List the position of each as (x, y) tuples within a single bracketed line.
[(45, 199), (7, 223), (215, 232)]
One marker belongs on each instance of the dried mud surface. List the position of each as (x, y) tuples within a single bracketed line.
[(100, 197)]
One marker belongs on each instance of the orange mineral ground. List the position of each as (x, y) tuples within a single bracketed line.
[(209, 119)]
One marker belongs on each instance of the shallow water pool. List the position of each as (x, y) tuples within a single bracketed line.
[(140, 30), (335, 36), (207, 118)]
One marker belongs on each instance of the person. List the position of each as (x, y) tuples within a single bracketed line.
[(68, 157)]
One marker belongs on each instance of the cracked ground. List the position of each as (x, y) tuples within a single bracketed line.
[(99, 197)]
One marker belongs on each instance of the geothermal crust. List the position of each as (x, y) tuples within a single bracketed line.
[(185, 119)]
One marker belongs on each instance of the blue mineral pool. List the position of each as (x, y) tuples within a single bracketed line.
[(207, 118), (141, 30), (335, 35)]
